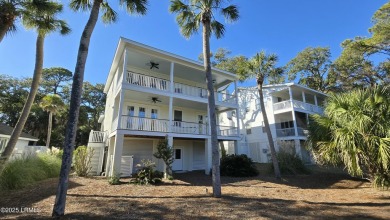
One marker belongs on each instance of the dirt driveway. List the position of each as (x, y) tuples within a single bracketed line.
[(315, 196)]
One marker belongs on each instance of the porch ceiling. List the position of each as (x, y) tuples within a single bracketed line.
[(143, 97), (141, 60)]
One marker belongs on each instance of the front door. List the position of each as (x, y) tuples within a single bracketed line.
[(178, 156)]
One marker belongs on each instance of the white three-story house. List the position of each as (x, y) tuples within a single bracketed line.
[(151, 95), (288, 107)]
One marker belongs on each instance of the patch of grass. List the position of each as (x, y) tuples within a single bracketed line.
[(22, 172)]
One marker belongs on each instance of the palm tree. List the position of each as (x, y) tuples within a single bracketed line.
[(45, 22), (262, 67), (355, 131), (109, 16), (52, 104), (189, 17), (11, 10)]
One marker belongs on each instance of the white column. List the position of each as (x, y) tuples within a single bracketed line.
[(207, 148), (315, 100), (303, 96), (170, 114), (171, 77), (170, 144), (118, 147), (120, 108), (237, 109), (236, 145), (293, 112), (125, 58), (298, 148)]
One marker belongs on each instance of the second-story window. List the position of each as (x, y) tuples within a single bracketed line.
[(154, 114), (142, 112), (130, 111)]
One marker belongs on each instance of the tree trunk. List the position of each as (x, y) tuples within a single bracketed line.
[(71, 126), (268, 131), (29, 102), (212, 117), (49, 128)]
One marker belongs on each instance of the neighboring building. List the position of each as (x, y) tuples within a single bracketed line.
[(23, 145), (152, 94), (288, 108)]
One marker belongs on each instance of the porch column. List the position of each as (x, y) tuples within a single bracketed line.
[(170, 144), (125, 58), (171, 77), (120, 108), (303, 96), (117, 159), (293, 112), (236, 145), (237, 109), (298, 148), (207, 156), (170, 114), (315, 100)]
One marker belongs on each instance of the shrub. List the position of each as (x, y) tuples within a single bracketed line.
[(290, 164), (238, 166), (147, 175), (165, 152), (22, 172), (82, 160), (114, 179)]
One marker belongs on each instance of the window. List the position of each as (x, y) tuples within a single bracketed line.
[(249, 131), (178, 90), (177, 154), (177, 117), (130, 111), (142, 112), (154, 114)]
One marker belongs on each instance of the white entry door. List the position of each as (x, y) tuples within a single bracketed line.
[(178, 162)]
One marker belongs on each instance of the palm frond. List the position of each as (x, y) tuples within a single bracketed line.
[(109, 15), (230, 13), (217, 28), (80, 5), (135, 6)]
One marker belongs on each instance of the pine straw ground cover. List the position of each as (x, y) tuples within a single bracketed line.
[(320, 195)]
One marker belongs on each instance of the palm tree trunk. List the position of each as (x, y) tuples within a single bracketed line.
[(29, 102), (49, 127), (268, 131), (212, 117), (71, 127)]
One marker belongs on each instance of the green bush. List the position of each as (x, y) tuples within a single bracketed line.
[(82, 160), (114, 179), (22, 172), (238, 166), (290, 164), (147, 175)]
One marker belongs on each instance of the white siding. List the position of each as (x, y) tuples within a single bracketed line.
[(139, 149)]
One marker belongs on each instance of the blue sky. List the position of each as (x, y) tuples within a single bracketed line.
[(279, 26)]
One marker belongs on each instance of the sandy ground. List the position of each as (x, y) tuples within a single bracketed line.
[(315, 196)]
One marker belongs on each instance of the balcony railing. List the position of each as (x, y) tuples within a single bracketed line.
[(147, 81), (97, 136), (178, 88), (288, 132), (162, 125), (227, 130), (298, 105), (3, 143)]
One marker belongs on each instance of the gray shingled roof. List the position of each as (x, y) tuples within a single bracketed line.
[(7, 130)]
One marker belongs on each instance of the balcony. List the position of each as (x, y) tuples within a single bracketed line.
[(163, 125), (178, 88), (290, 132), (298, 105)]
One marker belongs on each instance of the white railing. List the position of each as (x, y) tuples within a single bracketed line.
[(3, 143), (144, 124), (288, 132), (179, 88), (226, 97), (189, 128), (282, 105), (226, 130), (190, 90), (97, 137), (147, 81), (298, 105)]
